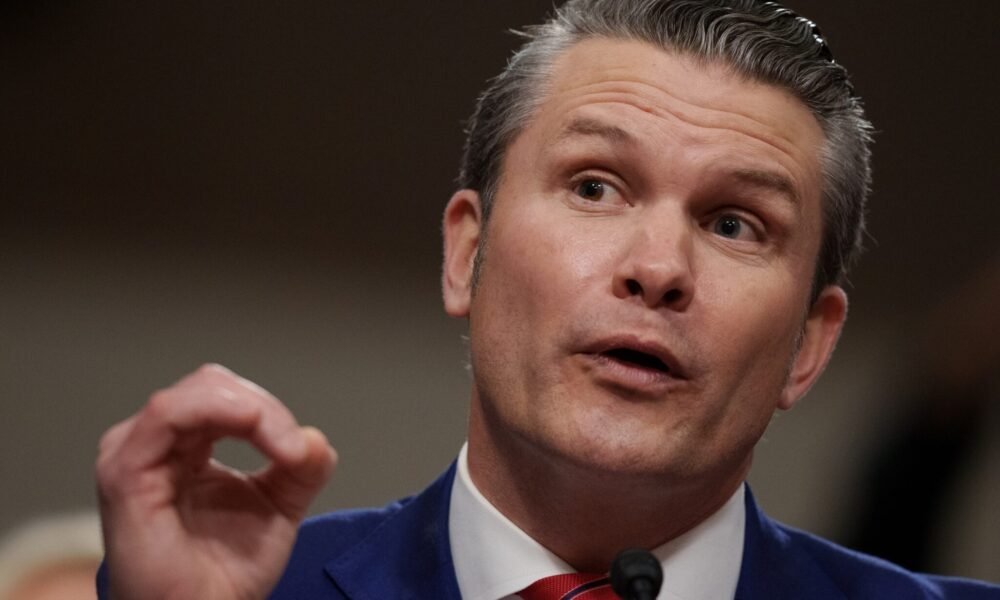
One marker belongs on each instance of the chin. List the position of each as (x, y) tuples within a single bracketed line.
[(620, 453)]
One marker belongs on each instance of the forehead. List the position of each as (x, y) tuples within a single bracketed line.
[(687, 77), (666, 98)]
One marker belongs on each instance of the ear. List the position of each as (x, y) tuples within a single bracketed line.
[(819, 336), (461, 230)]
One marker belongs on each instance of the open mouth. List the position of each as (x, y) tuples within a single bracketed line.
[(637, 358)]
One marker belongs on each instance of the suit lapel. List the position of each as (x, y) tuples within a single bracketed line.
[(406, 556), (774, 568)]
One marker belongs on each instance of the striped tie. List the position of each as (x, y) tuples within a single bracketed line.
[(581, 586)]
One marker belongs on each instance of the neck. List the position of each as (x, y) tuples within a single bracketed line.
[(608, 511)]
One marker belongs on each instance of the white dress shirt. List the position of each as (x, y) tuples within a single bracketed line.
[(494, 559)]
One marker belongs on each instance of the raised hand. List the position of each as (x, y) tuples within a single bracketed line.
[(178, 524)]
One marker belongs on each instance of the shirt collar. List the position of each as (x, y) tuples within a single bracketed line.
[(494, 558)]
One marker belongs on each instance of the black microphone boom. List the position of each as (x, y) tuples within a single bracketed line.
[(636, 575)]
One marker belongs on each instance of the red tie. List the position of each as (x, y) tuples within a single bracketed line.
[(584, 586)]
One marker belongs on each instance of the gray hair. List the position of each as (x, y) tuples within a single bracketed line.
[(759, 40)]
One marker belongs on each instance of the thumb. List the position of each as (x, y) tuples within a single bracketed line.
[(292, 485)]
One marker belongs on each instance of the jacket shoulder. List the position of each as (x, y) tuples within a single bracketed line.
[(329, 533), (323, 537), (859, 575), (398, 551)]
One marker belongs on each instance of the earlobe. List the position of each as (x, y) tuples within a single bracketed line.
[(461, 231), (819, 337)]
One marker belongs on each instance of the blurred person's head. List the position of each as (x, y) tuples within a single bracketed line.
[(51, 558)]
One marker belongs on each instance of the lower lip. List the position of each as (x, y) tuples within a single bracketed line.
[(630, 377)]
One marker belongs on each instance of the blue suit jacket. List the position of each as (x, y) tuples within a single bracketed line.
[(402, 551)]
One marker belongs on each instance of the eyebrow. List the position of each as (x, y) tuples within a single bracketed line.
[(758, 178), (767, 180), (583, 126)]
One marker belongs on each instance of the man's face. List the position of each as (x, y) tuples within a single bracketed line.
[(646, 277)]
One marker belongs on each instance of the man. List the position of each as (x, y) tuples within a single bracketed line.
[(659, 199)]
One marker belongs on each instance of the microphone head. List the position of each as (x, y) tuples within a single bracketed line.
[(636, 574)]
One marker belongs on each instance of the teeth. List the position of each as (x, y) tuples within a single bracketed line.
[(639, 358)]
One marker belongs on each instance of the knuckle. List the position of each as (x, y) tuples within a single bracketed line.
[(206, 368), (107, 473), (212, 373), (114, 435), (107, 442), (116, 484), (159, 405), (211, 369), (218, 391), (146, 484)]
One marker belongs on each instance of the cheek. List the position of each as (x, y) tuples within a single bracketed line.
[(538, 258), (753, 351), (756, 339), (514, 288)]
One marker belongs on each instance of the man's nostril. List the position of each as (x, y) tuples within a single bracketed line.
[(672, 296)]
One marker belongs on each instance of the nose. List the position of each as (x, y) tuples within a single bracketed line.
[(655, 267)]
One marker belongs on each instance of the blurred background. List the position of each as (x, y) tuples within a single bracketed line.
[(260, 184)]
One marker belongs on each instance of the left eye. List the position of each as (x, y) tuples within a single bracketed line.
[(733, 227), (591, 189)]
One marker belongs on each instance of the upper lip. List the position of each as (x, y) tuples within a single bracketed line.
[(635, 343)]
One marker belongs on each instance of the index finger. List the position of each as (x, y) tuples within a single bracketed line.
[(211, 404), (279, 436)]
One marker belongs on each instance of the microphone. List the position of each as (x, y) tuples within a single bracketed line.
[(636, 575)]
